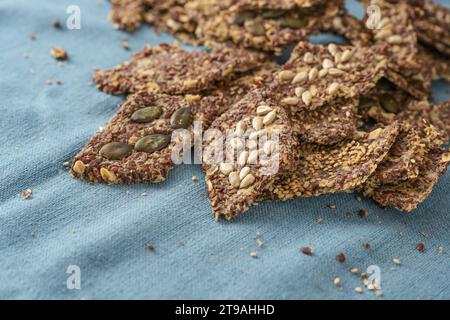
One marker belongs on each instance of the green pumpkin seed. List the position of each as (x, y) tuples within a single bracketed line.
[(243, 16), (293, 23), (152, 143), (255, 27), (146, 115), (115, 150), (182, 118), (389, 104), (272, 14)]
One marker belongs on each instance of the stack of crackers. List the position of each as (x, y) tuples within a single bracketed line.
[(333, 118)]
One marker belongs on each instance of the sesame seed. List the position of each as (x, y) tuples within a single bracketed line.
[(337, 281), (397, 261), (359, 290)]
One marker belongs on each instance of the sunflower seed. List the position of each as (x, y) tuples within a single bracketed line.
[(247, 181), (299, 91), (346, 56), (240, 128), (307, 97), (269, 147), (244, 172), (286, 75), (300, 77), (226, 168), (263, 110), (253, 157), (327, 64), (335, 72), (313, 73), (257, 123), (291, 101), (270, 117), (323, 73), (333, 88), (396, 39), (233, 177), (308, 58), (332, 48), (242, 160)]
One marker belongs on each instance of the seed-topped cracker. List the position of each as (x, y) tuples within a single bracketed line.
[(267, 25), (339, 168), (407, 195), (316, 75), (259, 148), (169, 69)]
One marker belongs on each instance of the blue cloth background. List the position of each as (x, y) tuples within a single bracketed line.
[(105, 230)]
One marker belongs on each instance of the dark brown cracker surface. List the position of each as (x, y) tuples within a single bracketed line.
[(408, 194), (169, 69), (339, 168)]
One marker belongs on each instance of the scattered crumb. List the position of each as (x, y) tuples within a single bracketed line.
[(56, 24), (341, 257), (420, 247), (424, 234), (363, 213), (366, 245), (358, 198), (125, 45), (59, 54), (379, 293), (151, 248), (143, 194), (32, 36), (194, 178), (27, 194), (254, 254), (363, 274), (259, 242), (359, 290), (319, 220), (307, 250), (441, 250), (58, 82), (49, 82), (332, 206), (258, 233), (397, 261), (337, 281), (66, 163)]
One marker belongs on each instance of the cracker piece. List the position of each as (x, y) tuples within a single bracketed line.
[(237, 182), (408, 194), (267, 25), (339, 168), (139, 166), (317, 77), (169, 69), (405, 157)]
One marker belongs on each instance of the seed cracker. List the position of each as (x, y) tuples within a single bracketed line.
[(234, 186), (339, 168), (169, 69), (407, 195)]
